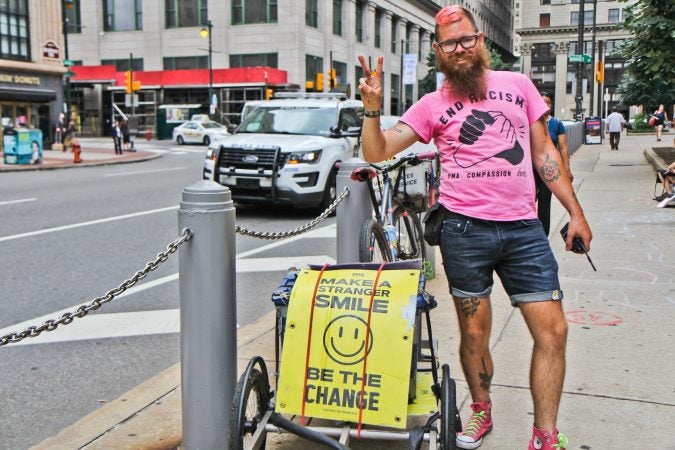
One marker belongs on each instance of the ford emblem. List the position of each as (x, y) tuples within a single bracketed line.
[(250, 159)]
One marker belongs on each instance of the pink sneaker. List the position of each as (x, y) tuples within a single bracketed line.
[(479, 424), (543, 440)]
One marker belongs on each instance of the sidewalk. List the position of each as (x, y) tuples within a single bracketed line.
[(619, 391), (94, 152)]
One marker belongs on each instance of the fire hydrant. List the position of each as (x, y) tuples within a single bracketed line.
[(76, 151), (148, 135)]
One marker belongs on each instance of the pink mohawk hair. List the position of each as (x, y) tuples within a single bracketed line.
[(449, 14)]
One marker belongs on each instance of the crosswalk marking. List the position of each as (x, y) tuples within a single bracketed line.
[(127, 324)]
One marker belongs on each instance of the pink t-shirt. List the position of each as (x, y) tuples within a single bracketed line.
[(484, 145)]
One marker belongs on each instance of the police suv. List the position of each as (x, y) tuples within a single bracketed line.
[(285, 151)]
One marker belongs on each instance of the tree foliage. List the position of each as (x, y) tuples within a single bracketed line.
[(650, 53)]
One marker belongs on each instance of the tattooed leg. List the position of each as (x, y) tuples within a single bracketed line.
[(475, 322)]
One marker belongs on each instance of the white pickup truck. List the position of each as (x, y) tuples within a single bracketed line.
[(285, 151)]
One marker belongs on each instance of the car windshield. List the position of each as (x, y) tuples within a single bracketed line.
[(211, 125), (290, 120)]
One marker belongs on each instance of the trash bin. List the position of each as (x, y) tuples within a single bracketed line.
[(593, 129), (22, 146)]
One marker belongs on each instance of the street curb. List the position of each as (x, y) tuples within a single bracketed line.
[(68, 165)]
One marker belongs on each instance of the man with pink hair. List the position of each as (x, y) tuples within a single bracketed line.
[(489, 130)]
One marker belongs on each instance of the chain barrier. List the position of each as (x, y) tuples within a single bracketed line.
[(186, 235), (83, 310), (296, 231)]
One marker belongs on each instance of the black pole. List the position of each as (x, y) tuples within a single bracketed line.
[(579, 65), (592, 81), (400, 93), (65, 47), (601, 84), (131, 78), (210, 27)]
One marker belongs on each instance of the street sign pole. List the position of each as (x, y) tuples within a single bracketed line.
[(579, 65)]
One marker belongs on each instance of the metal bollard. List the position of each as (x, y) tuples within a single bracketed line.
[(208, 315), (352, 212)]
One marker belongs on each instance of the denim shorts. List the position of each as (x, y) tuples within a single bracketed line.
[(518, 251)]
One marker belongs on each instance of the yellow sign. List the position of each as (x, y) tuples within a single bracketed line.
[(357, 348)]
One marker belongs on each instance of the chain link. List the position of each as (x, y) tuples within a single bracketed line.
[(83, 310), (296, 231)]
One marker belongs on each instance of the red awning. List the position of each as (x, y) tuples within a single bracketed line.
[(176, 78)]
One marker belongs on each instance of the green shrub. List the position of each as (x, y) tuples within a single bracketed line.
[(640, 122)]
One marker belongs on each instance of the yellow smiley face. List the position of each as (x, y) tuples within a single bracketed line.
[(344, 339)]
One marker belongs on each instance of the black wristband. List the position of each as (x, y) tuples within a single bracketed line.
[(371, 114)]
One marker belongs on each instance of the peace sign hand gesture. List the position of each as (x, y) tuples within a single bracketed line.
[(371, 86)]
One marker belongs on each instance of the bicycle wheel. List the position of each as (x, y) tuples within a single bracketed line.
[(251, 399), (373, 246), (449, 413), (410, 244)]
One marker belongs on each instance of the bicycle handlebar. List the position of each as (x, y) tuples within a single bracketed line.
[(414, 158)]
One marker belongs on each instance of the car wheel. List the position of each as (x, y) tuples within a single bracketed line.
[(329, 193), (207, 140), (180, 140)]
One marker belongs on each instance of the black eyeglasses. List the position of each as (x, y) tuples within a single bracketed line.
[(466, 42)]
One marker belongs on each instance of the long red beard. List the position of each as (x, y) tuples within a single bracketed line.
[(469, 79)]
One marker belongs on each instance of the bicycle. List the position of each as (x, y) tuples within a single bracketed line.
[(395, 232)]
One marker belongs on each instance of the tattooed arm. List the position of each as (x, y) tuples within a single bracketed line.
[(550, 166)]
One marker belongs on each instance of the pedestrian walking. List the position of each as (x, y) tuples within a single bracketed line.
[(125, 135), (557, 132), (60, 130), (615, 124), (660, 118), (117, 137), (489, 128)]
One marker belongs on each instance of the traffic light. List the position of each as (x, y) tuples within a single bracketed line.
[(332, 79), (69, 4), (128, 81), (269, 93), (599, 72), (131, 85), (318, 86)]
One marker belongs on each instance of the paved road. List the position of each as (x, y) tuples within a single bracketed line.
[(68, 236)]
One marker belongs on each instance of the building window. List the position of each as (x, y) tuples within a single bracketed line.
[(340, 74), (313, 65), (408, 37), (544, 20), (255, 60), (545, 2), (122, 15), (337, 17), (359, 21), (254, 11), (185, 13), (544, 51), (588, 18), (14, 36), (612, 45), (186, 62), (613, 15), (72, 17), (312, 13), (394, 33), (378, 28), (122, 65)]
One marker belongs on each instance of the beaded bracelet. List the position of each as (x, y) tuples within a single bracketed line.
[(371, 114)]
